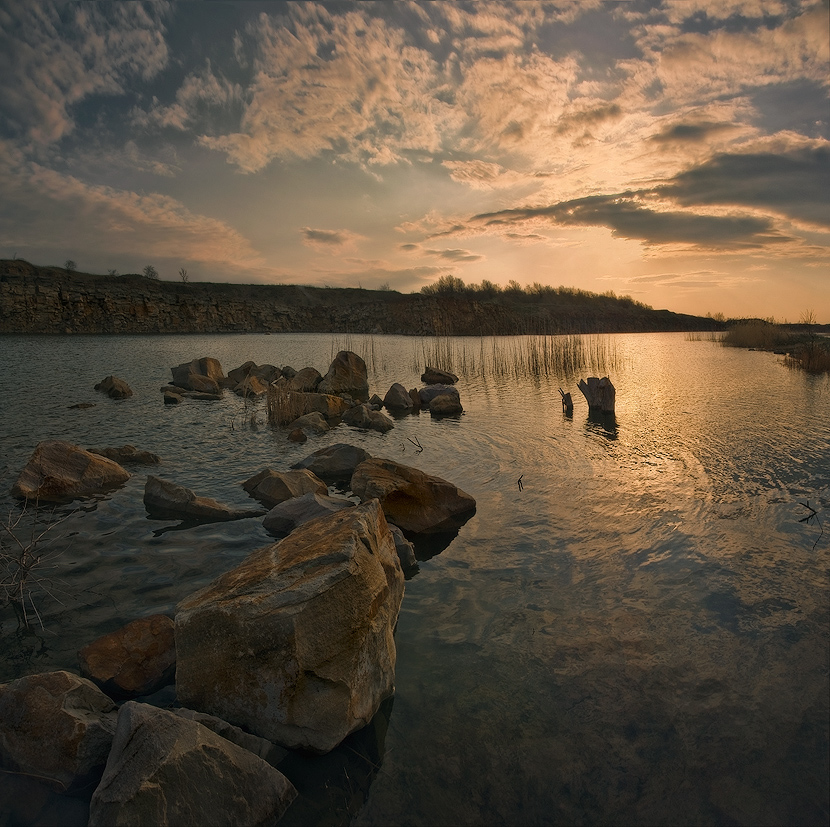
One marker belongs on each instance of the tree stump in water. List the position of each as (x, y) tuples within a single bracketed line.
[(599, 393), (567, 402)]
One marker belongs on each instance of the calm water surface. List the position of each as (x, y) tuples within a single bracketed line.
[(638, 635)]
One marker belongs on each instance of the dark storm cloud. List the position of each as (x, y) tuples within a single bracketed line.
[(626, 216), (796, 183), (331, 237)]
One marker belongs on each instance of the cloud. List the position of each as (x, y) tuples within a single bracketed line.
[(54, 55), (329, 240), (795, 183), (456, 255), (46, 210), (692, 132), (627, 216)]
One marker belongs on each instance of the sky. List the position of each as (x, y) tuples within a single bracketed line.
[(672, 150)]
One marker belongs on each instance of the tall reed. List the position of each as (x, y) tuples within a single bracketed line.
[(521, 356), (283, 406)]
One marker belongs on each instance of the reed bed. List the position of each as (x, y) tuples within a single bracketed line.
[(759, 335), (282, 405), (520, 356)]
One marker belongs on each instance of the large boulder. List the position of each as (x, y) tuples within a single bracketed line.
[(166, 770), (436, 376), (397, 398), (236, 375), (127, 454), (282, 519), (305, 380), (137, 659), (204, 375), (296, 644), (416, 502), (166, 499), (273, 487), (347, 374), (56, 726), (334, 463), (427, 394), (114, 388), (59, 471)]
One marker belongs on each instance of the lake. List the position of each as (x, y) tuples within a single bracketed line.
[(636, 634)]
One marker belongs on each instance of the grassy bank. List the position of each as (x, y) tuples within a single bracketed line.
[(803, 348)]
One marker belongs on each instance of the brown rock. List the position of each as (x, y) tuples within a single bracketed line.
[(165, 770), (167, 499), (58, 471), (296, 643), (251, 387), (397, 398), (414, 501), (334, 463), (297, 435), (435, 376), (445, 404), (273, 487), (55, 725), (127, 454), (114, 388), (138, 659), (347, 374), (286, 516), (305, 380)]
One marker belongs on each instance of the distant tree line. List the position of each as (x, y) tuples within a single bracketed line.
[(448, 285)]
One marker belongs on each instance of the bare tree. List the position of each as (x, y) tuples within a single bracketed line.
[(70, 266), (808, 317), (183, 275), (112, 272), (150, 272)]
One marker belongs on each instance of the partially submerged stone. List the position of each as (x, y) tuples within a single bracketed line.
[(418, 503), (314, 422), (114, 388), (361, 416), (305, 380), (251, 387), (166, 499), (273, 487), (202, 375), (166, 770), (128, 454), (283, 518), (397, 398), (445, 404), (137, 659), (296, 643), (59, 471), (334, 463), (347, 374), (436, 376), (56, 726), (427, 394)]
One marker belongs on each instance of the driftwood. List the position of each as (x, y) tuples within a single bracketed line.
[(600, 393), (567, 402)]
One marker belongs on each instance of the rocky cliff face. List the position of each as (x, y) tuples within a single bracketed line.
[(50, 300)]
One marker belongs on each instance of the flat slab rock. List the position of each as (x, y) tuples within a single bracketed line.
[(166, 499), (137, 659), (166, 770), (273, 487), (59, 471), (285, 517), (416, 502), (296, 643)]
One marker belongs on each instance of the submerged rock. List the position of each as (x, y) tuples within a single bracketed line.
[(166, 499), (166, 770), (314, 422), (127, 454), (56, 726), (296, 643), (114, 388), (418, 503), (427, 394), (445, 404), (137, 659), (361, 416), (58, 471)]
